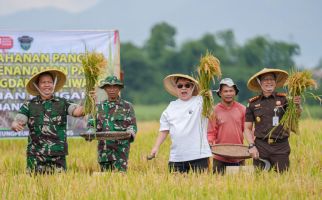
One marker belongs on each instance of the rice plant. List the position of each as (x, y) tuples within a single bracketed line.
[(151, 179), (297, 84), (208, 69), (94, 65)]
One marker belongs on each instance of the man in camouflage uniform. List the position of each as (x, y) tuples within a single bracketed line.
[(46, 117), (114, 114)]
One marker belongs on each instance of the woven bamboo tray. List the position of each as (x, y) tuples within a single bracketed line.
[(235, 151), (107, 135)]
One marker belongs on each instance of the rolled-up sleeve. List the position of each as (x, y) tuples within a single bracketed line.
[(21, 118), (23, 113), (71, 108)]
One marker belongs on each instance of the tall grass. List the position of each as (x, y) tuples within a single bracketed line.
[(151, 180), (312, 112)]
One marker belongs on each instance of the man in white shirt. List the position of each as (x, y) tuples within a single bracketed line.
[(183, 121)]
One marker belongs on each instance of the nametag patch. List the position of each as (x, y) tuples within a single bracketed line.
[(275, 121)]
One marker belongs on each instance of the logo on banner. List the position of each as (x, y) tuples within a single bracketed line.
[(25, 42), (6, 42)]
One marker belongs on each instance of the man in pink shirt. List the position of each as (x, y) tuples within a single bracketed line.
[(228, 125)]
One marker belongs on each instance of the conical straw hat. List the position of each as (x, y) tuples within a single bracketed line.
[(281, 77), (170, 85), (61, 79)]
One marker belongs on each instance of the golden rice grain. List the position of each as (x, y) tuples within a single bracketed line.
[(297, 85), (208, 69), (93, 64)]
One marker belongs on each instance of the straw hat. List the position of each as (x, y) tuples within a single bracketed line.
[(280, 75), (61, 79), (170, 85)]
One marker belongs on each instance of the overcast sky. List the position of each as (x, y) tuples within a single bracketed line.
[(295, 21)]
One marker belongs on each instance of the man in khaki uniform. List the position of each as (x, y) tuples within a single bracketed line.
[(264, 112)]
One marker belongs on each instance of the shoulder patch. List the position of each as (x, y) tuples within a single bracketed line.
[(253, 99), (281, 94)]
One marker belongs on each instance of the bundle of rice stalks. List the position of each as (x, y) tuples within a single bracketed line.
[(94, 64), (297, 85), (208, 69)]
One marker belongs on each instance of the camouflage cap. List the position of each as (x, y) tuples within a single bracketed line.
[(111, 80)]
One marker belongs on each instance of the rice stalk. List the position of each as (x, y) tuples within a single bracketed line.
[(83, 180), (208, 69), (297, 85), (94, 65)]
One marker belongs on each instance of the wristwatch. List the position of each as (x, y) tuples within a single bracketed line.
[(251, 145)]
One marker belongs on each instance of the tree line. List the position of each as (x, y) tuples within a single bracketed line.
[(145, 67)]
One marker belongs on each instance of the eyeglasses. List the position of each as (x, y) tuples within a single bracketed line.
[(187, 85)]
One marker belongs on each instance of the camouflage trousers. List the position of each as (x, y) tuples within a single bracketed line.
[(46, 164), (114, 156)]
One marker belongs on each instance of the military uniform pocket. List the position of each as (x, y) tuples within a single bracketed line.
[(258, 113), (119, 122), (59, 120), (36, 120)]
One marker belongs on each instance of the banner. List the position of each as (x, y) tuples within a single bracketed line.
[(24, 53)]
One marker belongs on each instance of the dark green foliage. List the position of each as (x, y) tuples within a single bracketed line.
[(145, 67), (262, 51)]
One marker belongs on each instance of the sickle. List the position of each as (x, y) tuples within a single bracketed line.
[(267, 164), (150, 157)]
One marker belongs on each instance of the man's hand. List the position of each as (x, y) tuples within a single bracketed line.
[(297, 100), (17, 126), (91, 132), (254, 152), (93, 95), (154, 152), (131, 132), (162, 136)]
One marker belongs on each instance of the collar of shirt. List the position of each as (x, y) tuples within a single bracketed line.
[(273, 95), (223, 106), (117, 102), (38, 99)]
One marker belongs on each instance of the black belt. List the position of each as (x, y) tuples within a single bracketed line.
[(273, 140)]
